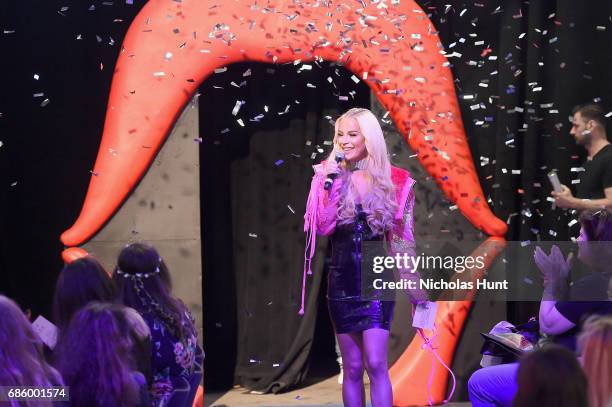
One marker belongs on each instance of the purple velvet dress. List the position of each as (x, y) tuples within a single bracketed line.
[(353, 307), (349, 310)]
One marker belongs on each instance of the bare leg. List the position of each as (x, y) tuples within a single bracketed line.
[(375, 350), (353, 391)]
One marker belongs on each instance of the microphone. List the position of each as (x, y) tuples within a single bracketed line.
[(330, 177)]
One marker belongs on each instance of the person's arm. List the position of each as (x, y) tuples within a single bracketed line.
[(401, 240), (552, 322), (322, 205), (555, 270), (320, 217), (566, 200)]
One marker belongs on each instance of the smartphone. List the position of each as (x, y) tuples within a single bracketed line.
[(554, 180)]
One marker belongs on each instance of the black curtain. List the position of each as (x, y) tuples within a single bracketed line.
[(57, 63), (548, 57), (255, 180)]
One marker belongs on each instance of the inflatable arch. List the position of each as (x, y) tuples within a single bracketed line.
[(172, 46)]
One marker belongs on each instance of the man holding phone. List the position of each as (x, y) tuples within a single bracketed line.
[(595, 188)]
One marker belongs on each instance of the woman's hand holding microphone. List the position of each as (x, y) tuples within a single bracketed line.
[(332, 167)]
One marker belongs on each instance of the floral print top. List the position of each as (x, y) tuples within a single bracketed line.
[(173, 361)]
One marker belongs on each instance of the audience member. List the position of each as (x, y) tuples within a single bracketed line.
[(80, 282), (595, 344), (550, 377), (94, 355), (496, 385), (21, 358), (143, 283), (563, 308), (141, 339)]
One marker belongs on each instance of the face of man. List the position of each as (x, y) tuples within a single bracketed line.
[(581, 129)]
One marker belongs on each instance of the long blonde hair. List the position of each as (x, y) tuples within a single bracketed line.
[(595, 344), (21, 353), (380, 204)]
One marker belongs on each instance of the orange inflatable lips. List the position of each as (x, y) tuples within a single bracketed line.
[(173, 46)]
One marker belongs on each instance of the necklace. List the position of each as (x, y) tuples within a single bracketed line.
[(359, 165)]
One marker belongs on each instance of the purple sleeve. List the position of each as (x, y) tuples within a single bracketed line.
[(402, 235), (574, 311)]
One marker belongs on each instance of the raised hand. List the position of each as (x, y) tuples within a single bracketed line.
[(555, 270)]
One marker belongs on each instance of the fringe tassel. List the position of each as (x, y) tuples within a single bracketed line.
[(310, 227)]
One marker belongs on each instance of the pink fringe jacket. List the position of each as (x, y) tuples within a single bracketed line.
[(321, 214)]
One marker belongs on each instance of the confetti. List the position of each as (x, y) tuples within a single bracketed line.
[(305, 67), (237, 106)]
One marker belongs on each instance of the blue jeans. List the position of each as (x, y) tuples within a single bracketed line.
[(493, 386)]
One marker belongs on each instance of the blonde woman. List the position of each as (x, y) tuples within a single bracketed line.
[(595, 345), (369, 200)]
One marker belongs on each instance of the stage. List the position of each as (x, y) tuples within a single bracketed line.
[(324, 392)]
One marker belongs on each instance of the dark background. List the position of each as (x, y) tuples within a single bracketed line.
[(48, 148)]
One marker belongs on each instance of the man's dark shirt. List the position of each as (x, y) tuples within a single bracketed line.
[(587, 296), (597, 175)]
